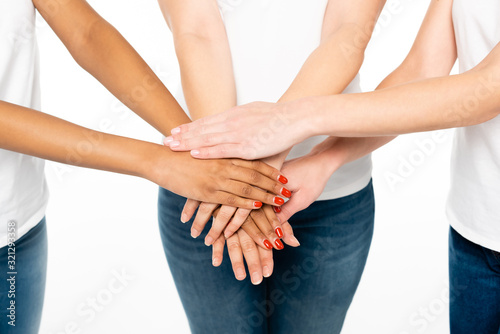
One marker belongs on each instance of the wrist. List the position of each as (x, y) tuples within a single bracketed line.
[(329, 154), (324, 114), (151, 164), (297, 118)]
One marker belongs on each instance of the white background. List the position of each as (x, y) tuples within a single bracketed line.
[(100, 223)]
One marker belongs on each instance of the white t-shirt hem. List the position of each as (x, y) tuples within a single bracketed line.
[(471, 235), (352, 188), (26, 227)]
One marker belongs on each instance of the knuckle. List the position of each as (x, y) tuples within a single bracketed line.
[(204, 209), (247, 245), (243, 214), (207, 139), (254, 176), (233, 245), (231, 200), (224, 216), (247, 190)]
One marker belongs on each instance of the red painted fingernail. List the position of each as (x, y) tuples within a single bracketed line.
[(279, 232), (279, 200), (268, 244), (279, 244), (257, 204), (285, 192), (283, 179), (277, 209)]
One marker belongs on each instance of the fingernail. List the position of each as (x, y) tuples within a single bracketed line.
[(195, 153), (268, 244), (279, 232), (285, 192), (257, 204), (277, 209), (295, 239), (283, 179), (240, 274), (174, 143), (175, 131), (266, 271), (279, 244), (184, 219), (194, 233), (209, 240), (227, 234), (168, 140), (215, 262), (256, 278), (279, 200)]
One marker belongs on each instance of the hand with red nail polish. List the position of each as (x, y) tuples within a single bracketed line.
[(239, 183), (309, 175)]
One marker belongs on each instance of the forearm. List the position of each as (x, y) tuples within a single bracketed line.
[(102, 51), (34, 133), (455, 101), (126, 75), (207, 74), (328, 70)]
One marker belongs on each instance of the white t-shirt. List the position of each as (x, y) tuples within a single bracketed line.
[(474, 200), (270, 42), (23, 190)]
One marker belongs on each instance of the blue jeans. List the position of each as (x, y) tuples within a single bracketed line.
[(29, 282), (310, 290), (474, 287)]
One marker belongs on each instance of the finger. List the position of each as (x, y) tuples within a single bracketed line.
[(218, 251), (266, 260), (286, 211), (263, 169), (273, 220), (228, 150), (193, 126), (230, 199), (199, 130), (264, 227), (206, 140), (236, 257), (245, 190), (252, 257), (203, 215), (289, 237), (256, 234), (238, 219), (221, 220), (189, 209)]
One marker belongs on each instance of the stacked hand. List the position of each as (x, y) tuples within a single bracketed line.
[(258, 230), (253, 131), (308, 177)]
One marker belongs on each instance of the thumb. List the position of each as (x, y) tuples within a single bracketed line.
[(287, 211), (290, 208)]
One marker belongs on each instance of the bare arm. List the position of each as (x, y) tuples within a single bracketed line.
[(433, 54), (100, 49), (204, 56), (346, 31)]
